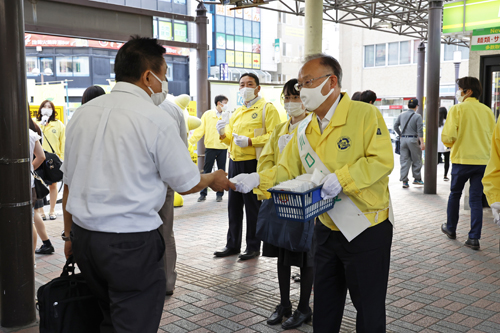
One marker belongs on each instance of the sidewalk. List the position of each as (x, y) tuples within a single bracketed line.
[(436, 284)]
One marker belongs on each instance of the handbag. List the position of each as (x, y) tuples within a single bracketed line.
[(288, 234), (397, 142), (41, 188), (260, 131), (52, 165), (66, 304)]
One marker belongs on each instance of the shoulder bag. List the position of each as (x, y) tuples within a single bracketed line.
[(52, 165), (41, 188), (397, 143)]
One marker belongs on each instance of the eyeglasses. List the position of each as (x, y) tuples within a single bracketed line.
[(309, 82), (290, 98)]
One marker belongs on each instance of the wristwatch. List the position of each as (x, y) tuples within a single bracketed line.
[(66, 239)]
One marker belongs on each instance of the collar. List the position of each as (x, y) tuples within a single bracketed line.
[(252, 102), (330, 112), (133, 89)]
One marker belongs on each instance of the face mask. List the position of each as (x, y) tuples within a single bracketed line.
[(223, 107), (312, 98), (247, 94), (158, 98), (459, 96), (46, 112), (294, 109)]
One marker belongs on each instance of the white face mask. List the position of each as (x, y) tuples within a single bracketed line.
[(46, 112), (459, 96), (312, 98), (223, 107), (294, 109), (247, 94), (158, 98)]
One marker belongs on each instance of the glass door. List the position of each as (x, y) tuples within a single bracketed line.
[(495, 92)]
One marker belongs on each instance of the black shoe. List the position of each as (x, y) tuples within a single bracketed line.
[(472, 243), (279, 313), (169, 292), (451, 235), (44, 249), (202, 198), (219, 199), (297, 319), (249, 255), (225, 252)]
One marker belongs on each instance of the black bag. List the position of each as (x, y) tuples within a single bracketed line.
[(41, 188), (66, 304), (397, 143), (288, 234), (52, 165)]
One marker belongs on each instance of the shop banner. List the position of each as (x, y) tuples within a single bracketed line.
[(485, 39)]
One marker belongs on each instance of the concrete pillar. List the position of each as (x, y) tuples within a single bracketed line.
[(420, 77), (17, 280), (202, 102), (432, 101), (313, 37)]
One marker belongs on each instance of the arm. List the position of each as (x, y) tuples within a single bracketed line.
[(272, 119), (217, 181), (199, 132), (62, 141), (450, 128), (420, 131), (228, 135), (396, 125), (68, 222), (491, 179), (378, 161), (39, 155), (267, 161)]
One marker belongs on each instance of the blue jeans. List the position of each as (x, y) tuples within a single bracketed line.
[(460, 174)]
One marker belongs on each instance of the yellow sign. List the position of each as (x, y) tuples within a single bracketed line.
[(248, 60), (59, 112), (294, 32), (56, 93), (256, 61), (192, 108), (238, 59), (230, 58)]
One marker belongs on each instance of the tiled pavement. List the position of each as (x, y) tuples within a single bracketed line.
[(436, 284)]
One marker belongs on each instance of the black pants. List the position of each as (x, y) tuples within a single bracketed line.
[(446, 157), (212, 155), (125, 272), (360, 266), (235, 210)]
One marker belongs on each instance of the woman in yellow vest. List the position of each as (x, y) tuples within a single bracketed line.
[(269, 158), (53, 138)]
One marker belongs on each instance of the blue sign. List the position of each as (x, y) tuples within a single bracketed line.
[(224, 71)]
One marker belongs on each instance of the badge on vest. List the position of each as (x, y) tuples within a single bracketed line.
[(254, 115), (344, 143), (379, 132)]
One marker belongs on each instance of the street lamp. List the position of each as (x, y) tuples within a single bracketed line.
[(457, 59), (46, 71)]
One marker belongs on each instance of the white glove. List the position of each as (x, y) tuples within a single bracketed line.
[(283, 141), (240, 140), (220, 126), (44, 120), (331, 186), (495, 208), (245, 182)]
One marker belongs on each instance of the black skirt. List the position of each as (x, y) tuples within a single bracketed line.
[(290, 258)]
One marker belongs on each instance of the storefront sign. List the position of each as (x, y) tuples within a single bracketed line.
[(248, 60), (478, 14), (230, 58), (238, 59), (395, 107), (256, 61), (485, 39)]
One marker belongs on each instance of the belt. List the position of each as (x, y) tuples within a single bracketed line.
[(409, 136)]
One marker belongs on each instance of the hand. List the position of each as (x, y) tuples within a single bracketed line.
[(331, 186), (220, 126), (246, 182), (283, 141), (495, 209), (219, 182), (422, 146), (68, 249), (241, 140)]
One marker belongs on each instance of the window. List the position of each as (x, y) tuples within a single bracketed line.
[(380, 55), (165, 30), (393, 54), (238, 43), (256, 29), (230, 25), (46, 62), (64, 66), (170, 72), (369, 55), (448, 51), (247, 28), (220, 23), (238, 27), (31, 64), (180, 32), (221, 56), (247, 44), (465, 52), (112, 68), (416, 43), (72, 66), (230, 42), (404, 53)]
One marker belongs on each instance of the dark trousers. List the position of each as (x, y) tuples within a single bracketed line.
[(360, 266), (212, 155), (446, 157), (125, 272), (460, 174), (235, 210)]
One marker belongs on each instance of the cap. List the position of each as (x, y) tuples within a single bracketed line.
[(413, 103)]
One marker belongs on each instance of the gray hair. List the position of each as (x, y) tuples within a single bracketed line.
[(329, 62)]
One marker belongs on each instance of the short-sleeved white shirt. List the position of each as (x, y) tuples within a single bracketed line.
[(34, 137), (176, 113), (121, 152)]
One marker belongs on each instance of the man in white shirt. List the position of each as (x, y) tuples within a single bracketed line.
[(122, 152)]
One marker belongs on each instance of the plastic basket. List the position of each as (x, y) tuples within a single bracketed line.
[(300, 206)]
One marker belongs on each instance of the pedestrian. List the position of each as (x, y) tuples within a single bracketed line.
[(92, 92), (167, 210), (53, 138), (368, 96), (491, 179), (286, 259), (356, 96), (467, 131), (214, 149), (122, 151), (239, 134), (351, 140), (443, 152), (410, 129)]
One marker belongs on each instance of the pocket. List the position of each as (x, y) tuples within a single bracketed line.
[(367, 196)]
